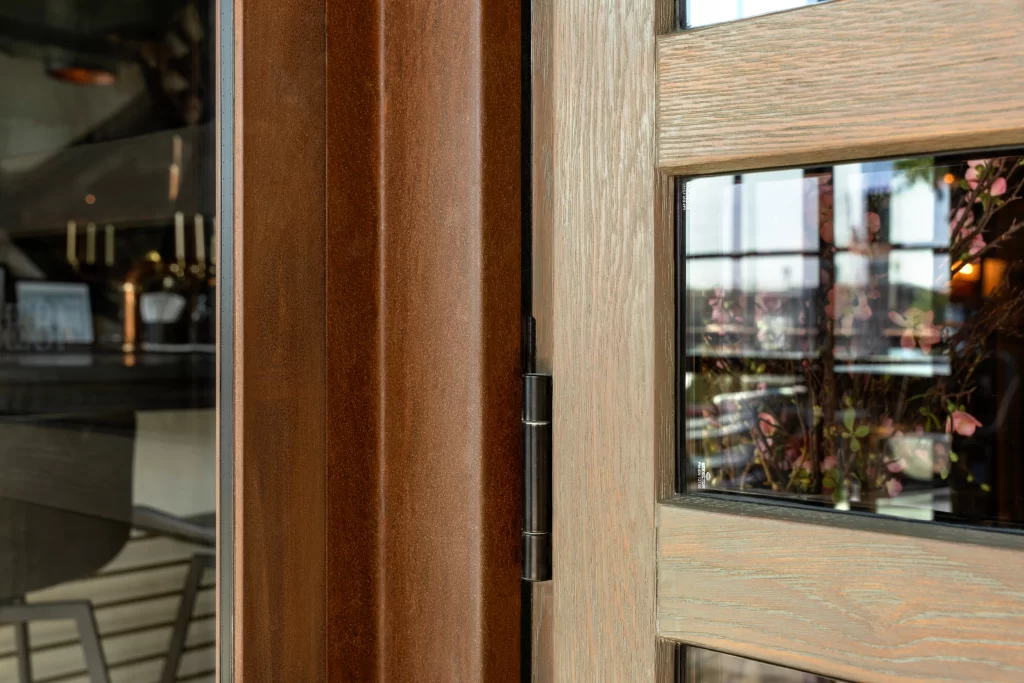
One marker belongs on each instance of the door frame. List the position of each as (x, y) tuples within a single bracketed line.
[(370, 340), (635, 565)]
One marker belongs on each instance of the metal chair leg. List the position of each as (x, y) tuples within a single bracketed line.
[(89, 633), (21, 644), (24, 649), (200, 562)]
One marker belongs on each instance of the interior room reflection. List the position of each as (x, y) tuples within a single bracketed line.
[(696, 665), (853, 336), (108, 247)]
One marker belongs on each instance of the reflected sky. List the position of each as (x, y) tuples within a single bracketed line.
[(768, 225), (706, 12)]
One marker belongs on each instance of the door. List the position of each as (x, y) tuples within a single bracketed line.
[(783, 327)]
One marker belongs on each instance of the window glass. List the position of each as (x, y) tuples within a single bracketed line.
[(108, 315), (696, 665), (697, 13), (853, 336)]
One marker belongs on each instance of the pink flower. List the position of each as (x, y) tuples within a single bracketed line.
[(964, 214), (893, 487), (830, 463), (895, 466), (917, 324), (962, 423), (846, 306), (719, 315), (767, 423), (973, 177), (977, 245)]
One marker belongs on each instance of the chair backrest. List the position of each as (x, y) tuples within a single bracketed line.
[(65, 497)]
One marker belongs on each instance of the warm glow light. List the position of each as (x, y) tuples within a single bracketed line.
[(80, 75), (968, 269), (90, 199), (949, 178)]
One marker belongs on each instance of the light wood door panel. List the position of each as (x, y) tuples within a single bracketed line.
[(853, 603), (848, 79), (608, 431)]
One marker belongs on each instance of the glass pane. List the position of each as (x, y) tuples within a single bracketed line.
[(108, 281), (695, 13), (695, 665), (854, 336)]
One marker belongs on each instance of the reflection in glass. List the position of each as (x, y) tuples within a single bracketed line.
[(706, 12), (854, 336), (695, 665), (107, 330)]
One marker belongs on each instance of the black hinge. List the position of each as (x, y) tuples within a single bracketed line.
[(536, 477)]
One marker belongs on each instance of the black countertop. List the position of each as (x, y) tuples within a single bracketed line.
[(96, 381)]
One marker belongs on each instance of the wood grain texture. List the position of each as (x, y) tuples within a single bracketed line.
[(423, 337), (542, 100), (280, 525), (543, 622), (850, 79), (843, 602), (664, 336), (355, 470), (606, 431)]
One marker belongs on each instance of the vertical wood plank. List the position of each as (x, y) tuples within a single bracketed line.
[(609, 426), (280, 626), (355, 465), (377, 340), (423, 309), (542, 96)]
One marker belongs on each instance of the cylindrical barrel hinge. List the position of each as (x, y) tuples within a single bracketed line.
[(536, 477)]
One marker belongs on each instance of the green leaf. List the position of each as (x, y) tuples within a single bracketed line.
[(923, 410), (950, 406), (986, 488), (849, 417), (862, 431), (855, 445), (964, 185), (953, 457)]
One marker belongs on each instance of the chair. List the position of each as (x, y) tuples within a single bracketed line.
[(200, 563), (66, 511)]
